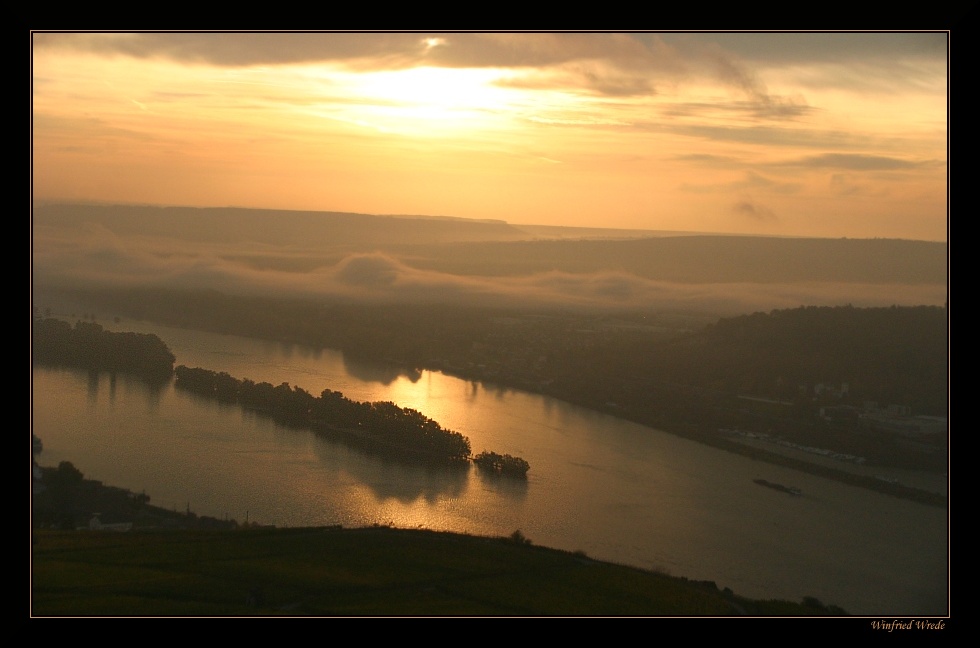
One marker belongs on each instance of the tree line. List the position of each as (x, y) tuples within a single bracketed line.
[(402, 433), (87, 345)]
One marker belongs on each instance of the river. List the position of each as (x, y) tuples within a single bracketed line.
[(616, 490)]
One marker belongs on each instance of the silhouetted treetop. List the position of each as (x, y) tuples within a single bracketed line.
[(89, 346)]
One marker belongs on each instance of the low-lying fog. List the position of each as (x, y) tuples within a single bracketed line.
[(720, 275)]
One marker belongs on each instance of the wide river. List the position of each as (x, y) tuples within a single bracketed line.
[(616, 490)]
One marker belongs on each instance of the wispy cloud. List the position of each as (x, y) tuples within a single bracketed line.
[(858, 162), (748, 209), (750, 180), (613, 64)]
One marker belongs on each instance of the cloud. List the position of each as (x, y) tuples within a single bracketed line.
[(627, 64), (858, 162), (369, 270), (807, 48), (637, 50), (231, 49), (707, 159), (748, 209), (844, 185), (736, 75), (596, 79), (92, 131), (775, 136), (608, 64), (382, 49), (751, 180)]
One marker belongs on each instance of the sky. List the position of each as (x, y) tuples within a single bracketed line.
[(788, 134)]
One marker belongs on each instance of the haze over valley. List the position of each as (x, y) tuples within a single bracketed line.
[(379, 259)]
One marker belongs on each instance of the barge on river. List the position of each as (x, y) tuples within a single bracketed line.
[(791, 490)]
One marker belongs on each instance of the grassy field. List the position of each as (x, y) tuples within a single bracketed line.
[(375, 571)]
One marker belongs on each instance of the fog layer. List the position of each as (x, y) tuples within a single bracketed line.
[(298, 254)]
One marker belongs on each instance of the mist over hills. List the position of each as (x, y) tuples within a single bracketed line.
[(704, 259), (420, 259)]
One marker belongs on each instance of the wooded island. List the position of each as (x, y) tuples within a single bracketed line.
[(381, 428)]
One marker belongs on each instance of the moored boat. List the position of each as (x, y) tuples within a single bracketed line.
[(792, 490)]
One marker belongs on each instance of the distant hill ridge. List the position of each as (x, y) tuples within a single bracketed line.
[(489, 248), (273, 226)]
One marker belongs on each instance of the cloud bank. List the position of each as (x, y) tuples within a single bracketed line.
[(102, 258)]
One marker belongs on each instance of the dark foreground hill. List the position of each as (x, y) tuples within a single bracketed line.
[(178, 564), (374, 571)]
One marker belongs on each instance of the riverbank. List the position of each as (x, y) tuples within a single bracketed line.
[(867, 477)]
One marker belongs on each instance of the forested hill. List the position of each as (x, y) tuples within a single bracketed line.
[(892, 355), (701, 258)]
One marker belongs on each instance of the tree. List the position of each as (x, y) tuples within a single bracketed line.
[(68, 475), (519, 538)]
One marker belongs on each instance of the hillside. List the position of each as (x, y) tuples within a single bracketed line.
[(171, 563), (699, 258), (374, 571)]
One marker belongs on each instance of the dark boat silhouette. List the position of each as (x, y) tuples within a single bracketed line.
[(791, 490)]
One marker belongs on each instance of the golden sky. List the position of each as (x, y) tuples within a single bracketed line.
[(801, 134)]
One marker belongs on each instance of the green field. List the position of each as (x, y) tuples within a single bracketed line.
[(375, 571)]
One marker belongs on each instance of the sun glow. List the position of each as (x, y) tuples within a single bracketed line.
[(430, 101)]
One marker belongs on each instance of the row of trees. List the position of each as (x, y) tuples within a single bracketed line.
[(87, 345), (391, 429)]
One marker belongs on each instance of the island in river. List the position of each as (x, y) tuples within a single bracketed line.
[(382, 427), (502, 464)]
